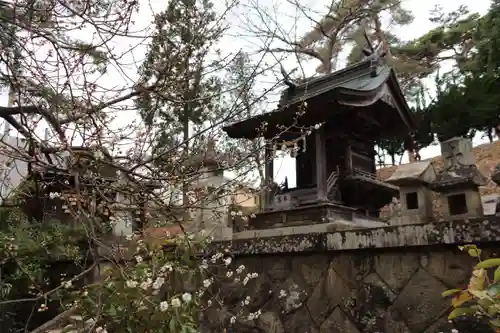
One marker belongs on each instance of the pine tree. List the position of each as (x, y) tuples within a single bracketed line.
[(186, 94), (245, 104), (345, 22), (467, 101)]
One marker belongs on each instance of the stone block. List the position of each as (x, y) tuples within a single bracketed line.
[(310, 269), (457, 152), (473, 204), (353, 266), (328, 294), (420, 303), (369, 303), (338, 322), (270, 322), (299, 321), (396, 268), (453, 269), (291, 294)]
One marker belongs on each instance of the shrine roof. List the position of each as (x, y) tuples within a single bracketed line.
[(357, 77), (358, 82)]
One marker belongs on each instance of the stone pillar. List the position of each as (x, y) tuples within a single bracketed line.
[(462, 196), (457, 152), (212, 215), (123, 223)]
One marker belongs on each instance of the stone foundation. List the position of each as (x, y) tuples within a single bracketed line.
[(341, 216), (386, 280)]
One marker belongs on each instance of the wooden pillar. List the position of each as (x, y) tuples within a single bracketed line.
[(269, 174), (348, 158), (321, 176)]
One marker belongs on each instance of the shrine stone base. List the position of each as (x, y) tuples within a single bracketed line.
[(338, 217)]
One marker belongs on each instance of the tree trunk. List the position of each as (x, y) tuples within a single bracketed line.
[(185, 184)]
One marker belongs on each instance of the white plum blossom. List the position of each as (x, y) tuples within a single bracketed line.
[(229, 274), (158, 283), (245, 280), (175, 302), (216, 257), (186, 297), (232, 320), (254, 315), (246, 301), (131, 283), (227, 261), (207, 283), (138, 259), (240, 269), (166, 268), (43, 307), (67, 284), (163, 306), (100, 330), (146, 284)]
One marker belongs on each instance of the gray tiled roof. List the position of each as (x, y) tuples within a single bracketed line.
[(357, 77)]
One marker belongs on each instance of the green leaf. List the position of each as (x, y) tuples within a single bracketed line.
[(172, 325), (471, 249), (493, 290), (488, 263), (485, 303), (461, 312), (474, 252), (492, 311), (495, 322), (450, 292), (496, 276)]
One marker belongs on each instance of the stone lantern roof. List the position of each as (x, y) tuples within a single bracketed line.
[(210, 158), (411, 174)]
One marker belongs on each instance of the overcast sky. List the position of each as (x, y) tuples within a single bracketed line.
[(124, 76)]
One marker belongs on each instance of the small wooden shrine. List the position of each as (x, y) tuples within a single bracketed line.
[(331, 124)]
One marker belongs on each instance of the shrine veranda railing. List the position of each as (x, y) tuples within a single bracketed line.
[(358, 173)]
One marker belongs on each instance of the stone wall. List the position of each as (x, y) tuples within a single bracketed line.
[(386, 280)]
